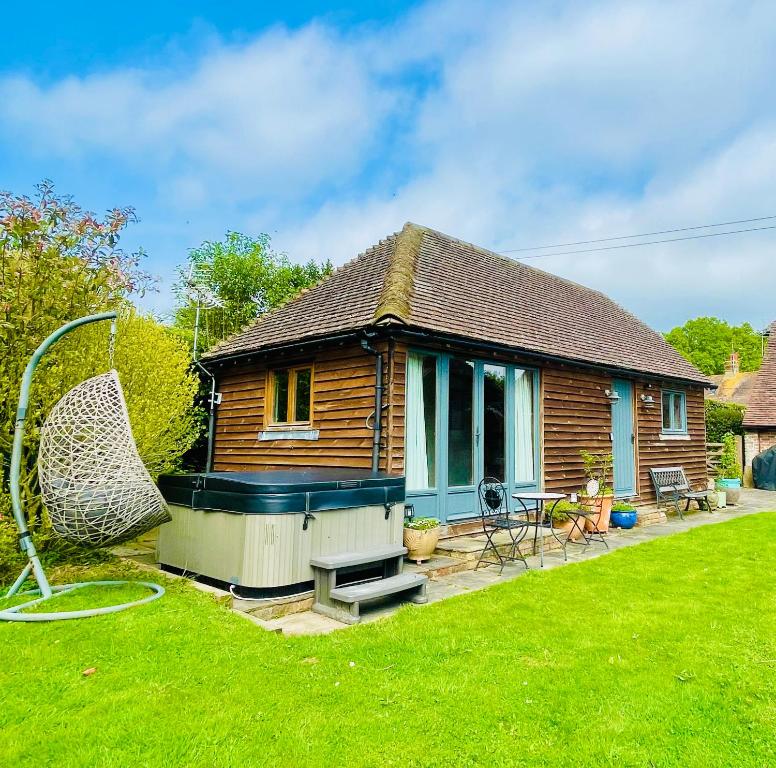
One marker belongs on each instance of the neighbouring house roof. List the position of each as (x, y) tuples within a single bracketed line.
[(761, 409), (732, 387), (422, 279)]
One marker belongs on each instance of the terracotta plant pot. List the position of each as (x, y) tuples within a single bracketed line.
[(601, 507), (421, 544), (567, 528)]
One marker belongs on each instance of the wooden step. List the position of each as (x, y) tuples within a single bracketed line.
[(370, 590)]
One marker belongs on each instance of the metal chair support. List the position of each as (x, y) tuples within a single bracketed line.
[(495, 516)]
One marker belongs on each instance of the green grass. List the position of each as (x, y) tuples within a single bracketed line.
[(658, 655)]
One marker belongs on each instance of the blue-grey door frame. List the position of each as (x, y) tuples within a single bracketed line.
[(623, 440), (450, 505)]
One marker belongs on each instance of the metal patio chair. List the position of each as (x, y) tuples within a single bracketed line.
[(594, 491), (495, 516)]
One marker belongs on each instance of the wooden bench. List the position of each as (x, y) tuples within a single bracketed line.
[(671, 483), (343, 602)]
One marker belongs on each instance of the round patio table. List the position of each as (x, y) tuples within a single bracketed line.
[(541, 500)]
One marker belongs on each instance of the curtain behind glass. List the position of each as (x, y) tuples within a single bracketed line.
[(524, 427), (416, 458)]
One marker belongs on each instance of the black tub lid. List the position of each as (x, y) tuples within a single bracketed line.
[(281, 481)]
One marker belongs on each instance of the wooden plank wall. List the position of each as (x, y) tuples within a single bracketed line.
[(576, 415), (654, 452), (394, 426), (343, 398)]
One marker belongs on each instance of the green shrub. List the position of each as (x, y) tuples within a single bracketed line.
[(560, 512), (728, 461), (722, 418), (421, 523), (623, 506)]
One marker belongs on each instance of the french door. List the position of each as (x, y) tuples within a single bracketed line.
[(480, 422), (477, 431)]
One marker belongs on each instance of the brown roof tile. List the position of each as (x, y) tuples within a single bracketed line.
[(761, 410), (431, 281)]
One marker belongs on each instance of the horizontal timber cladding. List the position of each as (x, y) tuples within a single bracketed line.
[(656, 452), (343, 401), (577, 416)]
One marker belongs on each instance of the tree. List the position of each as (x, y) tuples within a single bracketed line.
[(237, 279), (707, 343), (57, 263), (722, 418)]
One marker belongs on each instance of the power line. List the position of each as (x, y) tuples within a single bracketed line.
[(643, 234), (647, 242)]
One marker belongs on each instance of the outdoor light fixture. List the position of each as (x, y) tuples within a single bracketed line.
[(648, 400), (613, 396)]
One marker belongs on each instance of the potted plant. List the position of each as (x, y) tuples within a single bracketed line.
[(729, 470), (623, 515), (597, 495), (564, 522), (421, 535)]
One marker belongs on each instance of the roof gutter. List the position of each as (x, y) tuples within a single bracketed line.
[(538, 356)]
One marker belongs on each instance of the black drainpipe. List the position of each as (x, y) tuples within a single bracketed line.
[(378, 421), (215, 399)]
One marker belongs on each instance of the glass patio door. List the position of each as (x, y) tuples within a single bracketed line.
[(476, 434)]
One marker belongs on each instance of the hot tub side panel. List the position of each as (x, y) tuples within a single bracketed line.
[(270, 550)]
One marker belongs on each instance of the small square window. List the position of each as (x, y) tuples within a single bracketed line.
[(674, 407), (290, 393)]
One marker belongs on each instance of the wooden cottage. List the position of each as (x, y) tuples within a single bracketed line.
[(477, 364)]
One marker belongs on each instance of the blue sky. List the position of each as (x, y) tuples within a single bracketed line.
[(506, 124)]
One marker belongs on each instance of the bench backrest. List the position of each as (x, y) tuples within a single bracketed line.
[(669, 479)]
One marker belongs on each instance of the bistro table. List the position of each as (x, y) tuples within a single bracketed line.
[(541, 500)]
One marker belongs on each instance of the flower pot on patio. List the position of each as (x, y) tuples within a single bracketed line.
[(421, 535), (563, 522), (732, 488), (601, 509), (623, 516)]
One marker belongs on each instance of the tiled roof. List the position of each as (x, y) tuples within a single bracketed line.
[(427, 280), (761, 410)]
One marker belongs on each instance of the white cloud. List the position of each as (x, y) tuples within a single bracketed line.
[(288, 109), (507, 124)]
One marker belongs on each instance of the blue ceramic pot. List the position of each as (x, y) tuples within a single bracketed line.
[(624, 519)]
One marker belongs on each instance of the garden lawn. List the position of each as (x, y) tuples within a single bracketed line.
[(662, 654)]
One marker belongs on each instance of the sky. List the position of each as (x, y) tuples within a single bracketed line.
[(506, 124)]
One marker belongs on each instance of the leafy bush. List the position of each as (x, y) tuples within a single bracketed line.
[(421, 523), (560, 512), (622, 506), (728, 461), (60, 263), (722, 418)]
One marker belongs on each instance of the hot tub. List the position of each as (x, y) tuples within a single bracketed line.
[(258, 530)]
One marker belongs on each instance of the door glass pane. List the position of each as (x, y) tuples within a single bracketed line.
[(525, 449), (420, 438), (280, 406), (494, 434), (666, 410), (459, 426), (302, 395)]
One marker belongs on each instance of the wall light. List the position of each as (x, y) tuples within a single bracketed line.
[(648, 400), (613, 396)]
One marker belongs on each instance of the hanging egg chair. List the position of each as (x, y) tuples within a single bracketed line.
[(93, 483)]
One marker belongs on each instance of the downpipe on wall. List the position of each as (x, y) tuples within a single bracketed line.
[(378, 413)]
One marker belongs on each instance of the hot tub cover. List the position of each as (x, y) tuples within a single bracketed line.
[(281, 491)]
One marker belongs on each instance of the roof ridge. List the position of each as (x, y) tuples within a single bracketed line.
[(399, 282)]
